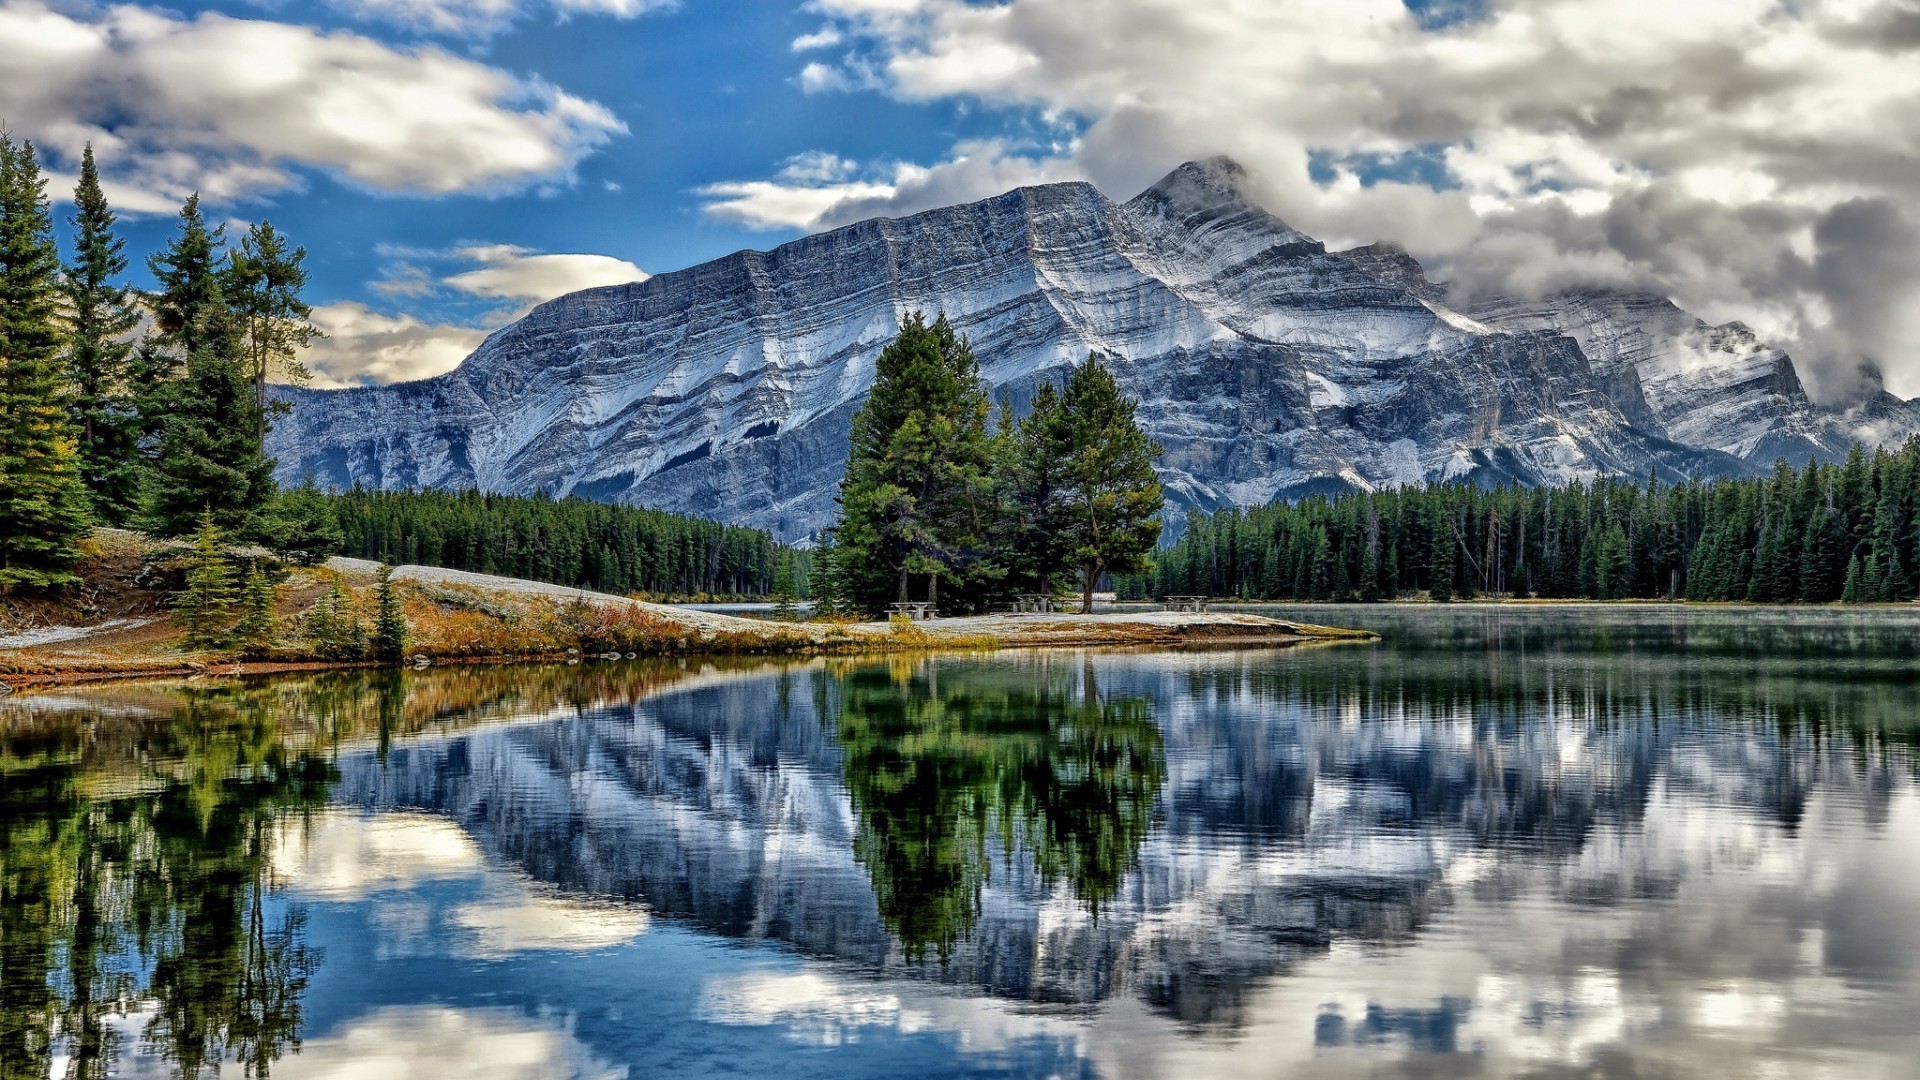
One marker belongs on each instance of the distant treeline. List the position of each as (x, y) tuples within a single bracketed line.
[(1818, 534), (570, 541)]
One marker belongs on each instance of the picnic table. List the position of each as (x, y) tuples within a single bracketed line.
[(916, 610), (1194, 604), (1039, 603)]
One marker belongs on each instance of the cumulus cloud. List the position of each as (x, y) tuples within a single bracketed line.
[(1515, 145), (478, 18), (366, 346), (236, 107)]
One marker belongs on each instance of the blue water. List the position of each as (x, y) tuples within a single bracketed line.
[(1501, 842)]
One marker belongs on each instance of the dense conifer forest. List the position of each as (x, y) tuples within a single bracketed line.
[(570, 541), (1818, 534)]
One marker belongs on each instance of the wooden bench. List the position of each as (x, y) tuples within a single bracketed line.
[(916, 610), (1193, 604), (1037, 603)]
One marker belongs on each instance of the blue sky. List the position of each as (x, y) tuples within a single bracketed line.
[(448, 163)]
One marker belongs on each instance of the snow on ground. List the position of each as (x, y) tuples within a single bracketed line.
[(434, 575), (52, 635)]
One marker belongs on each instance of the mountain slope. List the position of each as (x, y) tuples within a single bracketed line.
[(1266, 366)]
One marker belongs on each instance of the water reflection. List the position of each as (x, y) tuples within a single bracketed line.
[(943, 762), (1602, 843), (128, 883)]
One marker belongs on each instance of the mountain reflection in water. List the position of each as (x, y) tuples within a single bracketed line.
[(1608, 841)]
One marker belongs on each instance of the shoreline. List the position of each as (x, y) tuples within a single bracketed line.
[(707, 636)]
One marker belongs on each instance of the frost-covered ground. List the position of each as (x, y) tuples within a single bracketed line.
[(53, 635)]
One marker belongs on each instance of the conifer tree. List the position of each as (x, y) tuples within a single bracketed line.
[(332, 626), (917, 499), (262, 282), (784, 589), (390, 619), (100, 317), (1034, 455), (259, 627), (825, 586), (1112, 492), (301, 524), (204, 608), (43, 500), (207, 457)]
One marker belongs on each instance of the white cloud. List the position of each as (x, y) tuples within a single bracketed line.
[(513, 273), (365, 346), (824, 38), (1697, 151), (418, 1042), (819, 190), (817, 78), (477, 18), (235, 107), (343, 856)]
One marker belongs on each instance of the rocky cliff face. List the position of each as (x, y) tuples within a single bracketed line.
[(1266, 366)]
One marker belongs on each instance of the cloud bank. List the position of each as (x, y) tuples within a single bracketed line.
[(1753, 159), (237, 107)]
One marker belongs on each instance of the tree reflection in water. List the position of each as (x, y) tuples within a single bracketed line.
[(135, 883), (945, 762)]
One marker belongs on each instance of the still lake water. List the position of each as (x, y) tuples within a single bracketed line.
[(1502, 842)]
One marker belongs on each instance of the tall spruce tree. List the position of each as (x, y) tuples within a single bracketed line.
[(199, 405), (1113, 493), (262, 282), (43, 500), (1034, 455), (100, 319), (917, 499)]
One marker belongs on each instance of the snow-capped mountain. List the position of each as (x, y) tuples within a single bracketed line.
[(1266, 366)]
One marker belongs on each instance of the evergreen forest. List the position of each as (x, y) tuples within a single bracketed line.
[(570, 541), (1826, 532)]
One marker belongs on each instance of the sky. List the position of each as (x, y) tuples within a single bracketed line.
[(449, 163)]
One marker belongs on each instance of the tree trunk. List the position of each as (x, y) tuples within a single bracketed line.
[(1088, 576), (903, 583), (933, 592)]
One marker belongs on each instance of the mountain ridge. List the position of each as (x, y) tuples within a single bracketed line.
[(1266, 365)]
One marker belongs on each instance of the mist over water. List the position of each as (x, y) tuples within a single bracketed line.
[(1505, 841)]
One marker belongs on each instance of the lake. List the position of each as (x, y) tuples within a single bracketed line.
[(1503, 841)]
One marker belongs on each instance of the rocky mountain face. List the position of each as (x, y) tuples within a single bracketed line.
[(1266, 366)]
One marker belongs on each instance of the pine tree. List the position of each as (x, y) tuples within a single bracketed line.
[(207, 457), (784, 588), (259, 627), (390, 619), (303, 528), (1032, 470), (262, 282), (825, 587), (1850, 591), (204, 608), (917, 498), (43, 499), (332, 626), (1112, 491), (100, 318)]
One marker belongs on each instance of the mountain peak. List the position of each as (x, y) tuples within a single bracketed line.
[(1211, 189), (1214, 180)]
